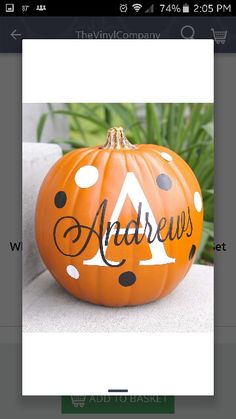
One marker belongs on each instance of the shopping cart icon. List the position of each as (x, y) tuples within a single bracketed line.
[(78, 401), (219, 36)]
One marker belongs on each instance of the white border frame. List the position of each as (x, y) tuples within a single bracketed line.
[(143, 363), (118, 71)]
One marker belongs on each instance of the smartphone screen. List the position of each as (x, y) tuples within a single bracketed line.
[(117, 241)]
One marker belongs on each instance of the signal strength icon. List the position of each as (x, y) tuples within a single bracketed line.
[(150, 9), (137, 7)]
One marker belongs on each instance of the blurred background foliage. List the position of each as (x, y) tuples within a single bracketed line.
[(185, 128)]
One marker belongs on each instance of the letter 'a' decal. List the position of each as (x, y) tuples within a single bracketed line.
[(133, 190)]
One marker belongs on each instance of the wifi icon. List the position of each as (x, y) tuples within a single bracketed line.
[(137, 7)]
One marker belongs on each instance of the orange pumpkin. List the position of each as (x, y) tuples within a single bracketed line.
[(120, 224)]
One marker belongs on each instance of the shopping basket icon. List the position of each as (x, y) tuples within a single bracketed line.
[(78, 401), (219, 36)]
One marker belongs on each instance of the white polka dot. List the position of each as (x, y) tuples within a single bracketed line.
[(86, 176), (166, 156), (72, 271), (198, 201)]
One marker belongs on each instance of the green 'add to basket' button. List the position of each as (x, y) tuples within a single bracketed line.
[(118, 404)]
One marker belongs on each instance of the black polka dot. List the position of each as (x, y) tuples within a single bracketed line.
[(60, 199), (127, 278), (164, 182), (192, 252)]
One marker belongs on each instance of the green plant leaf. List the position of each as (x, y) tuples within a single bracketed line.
[(204, 239), (152, 125), (68, 141), (40, 126), (93, 119), (209, 129), (208, 227)]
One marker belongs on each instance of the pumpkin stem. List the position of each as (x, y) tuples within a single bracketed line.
[(116, 140)]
